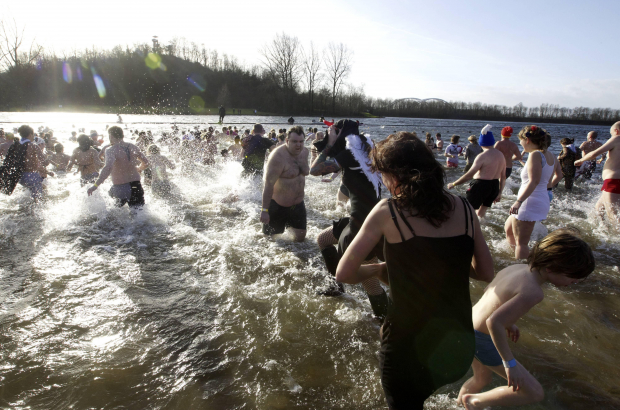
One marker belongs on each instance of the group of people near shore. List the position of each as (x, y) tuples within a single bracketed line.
[(430, 335)]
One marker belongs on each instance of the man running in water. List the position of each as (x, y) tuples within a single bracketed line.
[(283, 193), (509, 149), (34, 164), (120, 163), (587, 168), (254, 148), (489, 175), (610, 198)]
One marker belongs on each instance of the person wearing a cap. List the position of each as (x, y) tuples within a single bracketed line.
[(488, 173), (509, 149)]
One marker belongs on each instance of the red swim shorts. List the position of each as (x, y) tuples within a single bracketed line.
[(451, 164), (612, 186)]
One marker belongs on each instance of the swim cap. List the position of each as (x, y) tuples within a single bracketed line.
[(507, 131), (486, 137)]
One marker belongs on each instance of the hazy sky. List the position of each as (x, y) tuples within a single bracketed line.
[(560, 52)]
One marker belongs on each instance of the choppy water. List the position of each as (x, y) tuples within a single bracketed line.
[(186, 305)]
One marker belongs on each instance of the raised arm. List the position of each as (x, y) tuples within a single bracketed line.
[(610, 144)]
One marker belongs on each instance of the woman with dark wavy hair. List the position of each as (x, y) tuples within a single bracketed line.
[(433, 245)]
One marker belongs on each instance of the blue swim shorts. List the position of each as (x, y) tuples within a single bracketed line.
[(34, 182), (486, 353)]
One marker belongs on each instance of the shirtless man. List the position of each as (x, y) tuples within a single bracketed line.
[(235, 149), (439, 142), (283, 193), (509, 149), (489, 174), (59, 159), (120, 162), (87, 160), (587, 168), (34, 164), (609, 201)]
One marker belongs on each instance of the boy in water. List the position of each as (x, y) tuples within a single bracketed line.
[(509, 149), (561, 258), (488, 172), (59, 159)]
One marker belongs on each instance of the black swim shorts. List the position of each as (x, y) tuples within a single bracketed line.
[(482, 192), (131, 194), (282, 216), (508, 172)]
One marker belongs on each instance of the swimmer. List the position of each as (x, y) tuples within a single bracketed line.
[(509, 149), (158, 165), (488, 173), (439, 142), (59, 159), (453, 151), (235, 149), (587, 168), (87, 159), (254, 148), (283, 193), (560, 258), (34, 164), (120, 160), (609, 201), (471, 152)]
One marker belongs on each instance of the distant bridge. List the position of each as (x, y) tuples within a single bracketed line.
[(422, 100)]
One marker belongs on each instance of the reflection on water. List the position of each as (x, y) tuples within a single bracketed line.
[(186, 305)]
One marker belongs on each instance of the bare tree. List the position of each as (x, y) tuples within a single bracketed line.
[(12, 50), (312, 75), (338, 62), (283, 61)]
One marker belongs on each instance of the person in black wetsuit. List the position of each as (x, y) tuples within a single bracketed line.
[(349, 151), (433, 245), (254, 148)]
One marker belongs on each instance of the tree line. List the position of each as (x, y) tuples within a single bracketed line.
[(187, 78)]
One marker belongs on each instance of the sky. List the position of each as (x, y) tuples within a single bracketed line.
[(495, 52)]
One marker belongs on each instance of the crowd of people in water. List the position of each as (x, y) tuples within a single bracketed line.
[(431, 335)]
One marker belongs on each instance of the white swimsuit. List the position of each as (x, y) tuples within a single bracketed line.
[(536, 206)]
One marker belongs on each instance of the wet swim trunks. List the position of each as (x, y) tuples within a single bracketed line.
[(451, 164), (34, 182), (482, 192), (486, 352), (508, 172), (89, 179), (611, 185), (282, 216), (131, 194)]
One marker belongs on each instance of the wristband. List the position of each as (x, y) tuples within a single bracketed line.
[(264, 210), (519, 201), (510, 363), (95, 185)]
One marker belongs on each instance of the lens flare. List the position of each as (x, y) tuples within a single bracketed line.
[(196, 104), (197, 81), (152, 61), (78, 71), (98, 83), (67, 74)]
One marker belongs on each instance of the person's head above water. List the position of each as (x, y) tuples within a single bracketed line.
[(534, 135), (115, 133), (592, 135), (84, 142), (413, 176), (258, 129), (25, 131), (563, 252), (59, 149), (153, 150), (295, 138)]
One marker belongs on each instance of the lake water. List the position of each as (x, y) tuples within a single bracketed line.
[(185, 304)]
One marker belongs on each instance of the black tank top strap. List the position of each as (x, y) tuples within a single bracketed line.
[(405, 221), (469, 217), (395, 219)]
